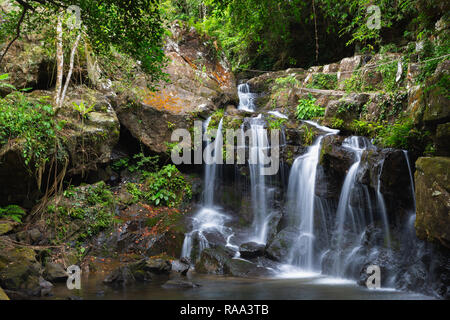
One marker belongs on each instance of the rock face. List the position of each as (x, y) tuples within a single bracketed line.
[(87, 144), (433, 199), (195, 88), (28, 66), (438, 105)]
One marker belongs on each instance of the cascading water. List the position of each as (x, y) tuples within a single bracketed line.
[(301, 198), (246, 98), (259, 190), (209, 218), (382, 207), (324, 234), (411, 179), (345, 209), (211, 166)]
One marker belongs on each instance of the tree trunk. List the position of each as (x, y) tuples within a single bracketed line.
[(69, 75), (59, 60)]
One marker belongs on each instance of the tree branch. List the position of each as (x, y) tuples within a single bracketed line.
[(25, 8)]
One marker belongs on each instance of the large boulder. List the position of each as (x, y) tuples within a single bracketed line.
[(433, 199), (55, 272), (147, 269), (250, 250), (278, 248), (335, 160), (19, 269), (220, 261), (199, 82)]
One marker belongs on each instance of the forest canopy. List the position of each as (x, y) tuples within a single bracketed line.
[(273, 34), (133, 27)]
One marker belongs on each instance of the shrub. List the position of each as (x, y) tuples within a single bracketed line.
[(402, 134), (323, 81), (308, 109), (286, 82), (30, 121), (13, 212), (166, 187)]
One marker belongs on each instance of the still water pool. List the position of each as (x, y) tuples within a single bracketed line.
[(289, 287)]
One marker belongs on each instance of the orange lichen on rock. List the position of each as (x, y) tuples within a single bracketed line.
[(162, 100)]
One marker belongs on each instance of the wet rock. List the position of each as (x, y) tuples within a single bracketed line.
[(122, 276), (180, 284), (143, 270), (220, 261), (335, 160), (213, 261), (180, 267), (278, 249), (433, 199), (251, 250), (55, 272)]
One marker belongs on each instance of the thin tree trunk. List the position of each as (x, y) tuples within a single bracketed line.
[(315, 31), (59, 60), (69, 75)]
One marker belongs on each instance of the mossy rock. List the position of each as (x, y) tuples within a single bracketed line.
[(7, 226), (437, 96), (3, 295), (19, 269), (433, 199)]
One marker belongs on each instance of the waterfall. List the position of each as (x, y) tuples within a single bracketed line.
[(211, 166), (246, 98), (411, 179), (382, 207), (209, 218), (301, 198), (259, 191), (345, 210)]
